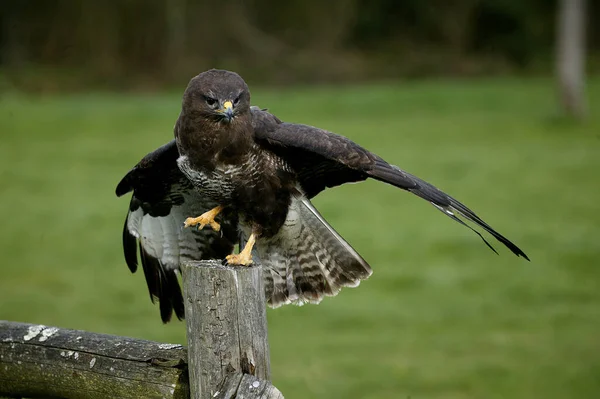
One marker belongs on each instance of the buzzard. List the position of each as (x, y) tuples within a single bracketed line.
[(244, 177)]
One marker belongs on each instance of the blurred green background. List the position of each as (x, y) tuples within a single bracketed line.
[(442, 316)]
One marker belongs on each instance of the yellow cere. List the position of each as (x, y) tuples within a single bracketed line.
[(227, 105)]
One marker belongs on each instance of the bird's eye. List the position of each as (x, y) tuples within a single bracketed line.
[(237, 100), (211, 101)]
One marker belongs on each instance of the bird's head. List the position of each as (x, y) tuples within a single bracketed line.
[(217, 95)]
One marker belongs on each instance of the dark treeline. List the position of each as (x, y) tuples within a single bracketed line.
[(131, 43)]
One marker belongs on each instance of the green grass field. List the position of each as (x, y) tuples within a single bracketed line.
[(441, 317)]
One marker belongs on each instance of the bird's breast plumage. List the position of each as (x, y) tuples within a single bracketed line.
[(218, 183), (257, 185), (221, 180)]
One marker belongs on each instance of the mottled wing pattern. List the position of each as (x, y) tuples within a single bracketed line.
[(307, 260), (162, 199), (324, 159)]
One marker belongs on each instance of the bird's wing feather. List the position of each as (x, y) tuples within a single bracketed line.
[(307, 259), (162, 199), (321, 159), (324, 159)]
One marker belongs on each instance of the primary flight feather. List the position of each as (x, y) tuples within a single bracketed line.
[(243, 176)]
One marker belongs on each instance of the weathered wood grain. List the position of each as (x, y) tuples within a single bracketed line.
[(227, 324), (246, 386), (40, 361)]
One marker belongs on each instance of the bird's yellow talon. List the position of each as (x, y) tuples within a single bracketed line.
[(239, 259), (204, 219), (244, 258)]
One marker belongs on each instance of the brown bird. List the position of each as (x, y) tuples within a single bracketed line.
[(249, 177)]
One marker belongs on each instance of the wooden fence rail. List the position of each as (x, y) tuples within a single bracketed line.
[(40, 361), (227, 340)]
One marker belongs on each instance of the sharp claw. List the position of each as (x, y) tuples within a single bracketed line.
[(234, 260), (195, 221)]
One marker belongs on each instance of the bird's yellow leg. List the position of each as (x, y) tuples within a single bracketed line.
[(206, 218), (244, 258)]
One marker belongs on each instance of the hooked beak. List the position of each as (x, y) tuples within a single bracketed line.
[(227, 111)]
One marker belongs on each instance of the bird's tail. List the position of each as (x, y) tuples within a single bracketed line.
[(308, 259)]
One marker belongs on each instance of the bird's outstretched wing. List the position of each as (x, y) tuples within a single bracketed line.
[(162, 199), (324, 159)]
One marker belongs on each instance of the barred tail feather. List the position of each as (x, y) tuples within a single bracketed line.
[(308, 260)]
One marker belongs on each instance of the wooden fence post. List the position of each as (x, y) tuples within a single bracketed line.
[(226, 327), (228, 354)]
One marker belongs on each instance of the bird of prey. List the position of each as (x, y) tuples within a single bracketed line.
[(241, 175)]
